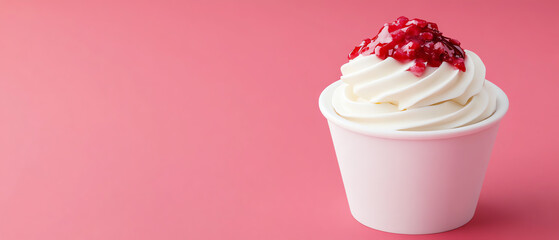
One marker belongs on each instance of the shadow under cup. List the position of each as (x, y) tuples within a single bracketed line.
[(412, 182)]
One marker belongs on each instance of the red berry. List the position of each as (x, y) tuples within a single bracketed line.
[(417, 69), (418, 22), (400, 55), (415, 39), (359, 49), (410, 48), (459, 63), (428, 47), (397, 35), (454, 41), (353, 54), (432, 26), (392, 27), (439, 48), (426, 36), (434, 62), (401, 21), (381, 52), (413, 31)]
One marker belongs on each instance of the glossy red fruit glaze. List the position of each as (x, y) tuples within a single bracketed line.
[(415, 39)]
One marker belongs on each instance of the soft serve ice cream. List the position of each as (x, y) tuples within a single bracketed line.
[(411, 77)]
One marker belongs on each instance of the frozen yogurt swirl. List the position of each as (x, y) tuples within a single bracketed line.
[(384, 94)]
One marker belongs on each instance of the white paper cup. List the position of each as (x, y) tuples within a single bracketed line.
[(412, 182)]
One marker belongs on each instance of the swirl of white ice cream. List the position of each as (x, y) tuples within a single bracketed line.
[(383, 94)]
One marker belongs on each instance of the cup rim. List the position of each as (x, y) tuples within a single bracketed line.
[(327, 109)]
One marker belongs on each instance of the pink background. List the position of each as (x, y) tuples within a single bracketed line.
[(190, 120)]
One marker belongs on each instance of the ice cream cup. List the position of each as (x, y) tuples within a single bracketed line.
[(412, 182)]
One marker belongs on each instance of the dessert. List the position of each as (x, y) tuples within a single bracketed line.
[(413, 122), (412, 77)]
